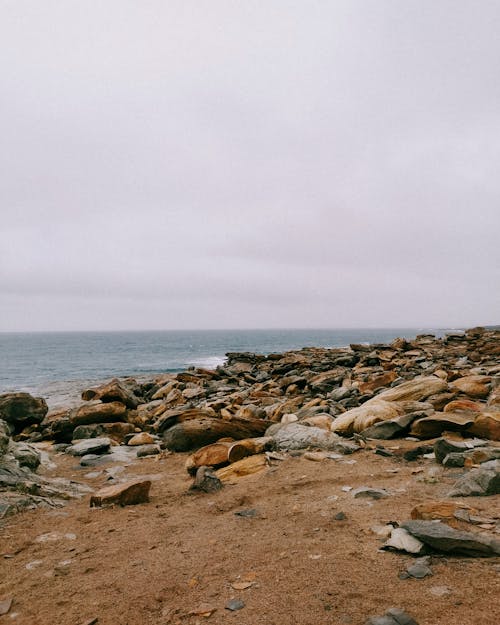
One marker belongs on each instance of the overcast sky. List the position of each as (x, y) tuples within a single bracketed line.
[(231, 164)]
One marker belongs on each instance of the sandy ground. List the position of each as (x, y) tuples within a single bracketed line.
[(155, 563)]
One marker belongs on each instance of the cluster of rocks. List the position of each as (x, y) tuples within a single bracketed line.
[(333, 400)]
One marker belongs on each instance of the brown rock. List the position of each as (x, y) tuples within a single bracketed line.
[(439, 422), (442, 510), (417, 389), (127, 494), (463, 405), (98, 412), (487, 425), (110, 392), (377, 381), (242, 468), (473, 385), (143, 438)]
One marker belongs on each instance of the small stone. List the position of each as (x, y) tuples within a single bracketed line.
[(418, 571), (206, 481), (5, 606), (440, 591), (340, 516), (147, 450), (372, 493), (250, 513), (234, 604)]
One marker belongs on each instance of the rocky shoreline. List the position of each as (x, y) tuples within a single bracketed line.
[(429, 400)]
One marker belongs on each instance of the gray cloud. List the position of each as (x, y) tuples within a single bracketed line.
[(221, 164)]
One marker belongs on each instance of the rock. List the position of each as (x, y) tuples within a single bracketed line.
[(363, 417), (90, 446), (196, 433), (487, 424), (116, 431), (477, 386), (5, 606), (393, 616), (377, 381), (445, 446), (126, 494), (445, 539), (148, 450), (438, 422), (27, 456), (463, 405), (419, 569), (22, 409), (479, 482), (143, 438), (442, 510), (440, 591), (401, 540), (206, 481), (417, 389), (372, 493), (298, 436), (98, 412), (393, 427), (242, 468), (111, 392), (235, 604)]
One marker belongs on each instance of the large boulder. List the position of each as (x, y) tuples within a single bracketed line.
[(477, 386), (417, 389), (22, 409), (363, 417), (98, 412), (297, 436), (445, 539), (439, 422)]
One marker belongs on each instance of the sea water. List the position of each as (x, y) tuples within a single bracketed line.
[(58, 365)]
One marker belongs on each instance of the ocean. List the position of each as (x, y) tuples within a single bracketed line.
[(59, 365)]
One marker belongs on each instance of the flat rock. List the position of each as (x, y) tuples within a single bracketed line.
[(126, 494), (143, 438), (372, 493), (90, 446), (445, 446), (434, 425), (393, 616), (445, 539), (148, 450)]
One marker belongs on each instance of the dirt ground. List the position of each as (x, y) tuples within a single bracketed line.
[(155, 563)]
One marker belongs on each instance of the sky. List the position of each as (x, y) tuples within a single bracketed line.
[(248, 164)]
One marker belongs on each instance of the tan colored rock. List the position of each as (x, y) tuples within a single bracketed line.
[(126, 494), (486, 425), (163, 392), (417, 389), (323, 421), (110, 392), (463, 405), (442, 510), (440, 422), (143, 438), (371, 412), (477, 386), (242, 468), (98, 412)]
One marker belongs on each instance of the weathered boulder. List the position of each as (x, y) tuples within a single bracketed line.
[(195, 433), (463, 405), (22, 409), (438, 422), (417, 389), (114, 391), (487, 424), (298, 436), (445, 539), (477, 386), (479, 482), (26, 455), (98, 412), (363, 417), (393, 427), (126, 494)]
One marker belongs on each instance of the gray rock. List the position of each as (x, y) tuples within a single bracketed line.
[(26, 455), (298, 436), (479, 482), (206, 481), (90, 446), (234, 604), (147, 450), (445, 539), (22, 409), (444, 446), (393, 427), (393, 616), (372, 493)]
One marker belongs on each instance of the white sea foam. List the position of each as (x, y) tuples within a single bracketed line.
[(207, 362)]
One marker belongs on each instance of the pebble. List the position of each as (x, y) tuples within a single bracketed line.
[(234, 604)]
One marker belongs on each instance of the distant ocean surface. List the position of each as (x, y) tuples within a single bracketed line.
[(58, 365)]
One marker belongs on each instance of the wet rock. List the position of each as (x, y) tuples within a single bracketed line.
[(479, 482), (22, 409), (393, 616), (126, 494), (206, 481), (445, 539), (90, 446)]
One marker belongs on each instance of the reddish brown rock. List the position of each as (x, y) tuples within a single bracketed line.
[(98, 412), (127, 494), (378, 381), (477, 386)]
